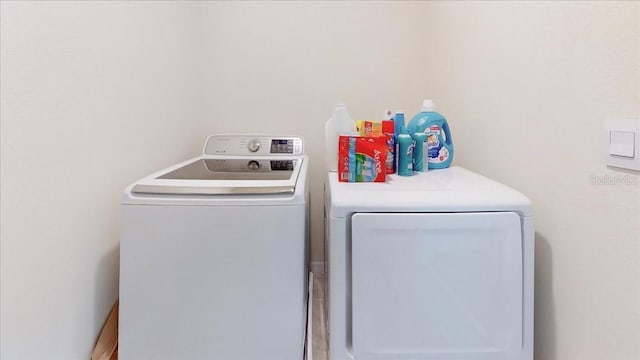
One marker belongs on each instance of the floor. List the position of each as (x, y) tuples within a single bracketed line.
[(319, 315)]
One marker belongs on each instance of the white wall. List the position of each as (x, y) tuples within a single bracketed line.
[(94, 96), (526, 87)]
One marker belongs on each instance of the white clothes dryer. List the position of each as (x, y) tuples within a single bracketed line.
[(214, 254), (436, 266)]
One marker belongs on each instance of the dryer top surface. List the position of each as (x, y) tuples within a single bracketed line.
[(448, 190)]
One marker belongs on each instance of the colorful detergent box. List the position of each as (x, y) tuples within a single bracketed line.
[(381, 128), (362, 159)]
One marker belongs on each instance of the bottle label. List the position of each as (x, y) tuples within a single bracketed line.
[(437, 152), (410, 155), (390, 163)]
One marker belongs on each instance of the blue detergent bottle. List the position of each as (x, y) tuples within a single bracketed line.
[(439, 144), (405, 153), (398, 122), (420, 160)]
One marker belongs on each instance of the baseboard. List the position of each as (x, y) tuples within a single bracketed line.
[(317, 267)]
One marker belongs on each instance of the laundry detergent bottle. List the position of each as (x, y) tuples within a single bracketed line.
[(405, 153), (439, 144), (420, 158)]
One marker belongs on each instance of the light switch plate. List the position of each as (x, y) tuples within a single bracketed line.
[(622, 143)]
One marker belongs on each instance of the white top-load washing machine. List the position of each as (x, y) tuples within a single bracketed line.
[(436, 266), (214, 255)]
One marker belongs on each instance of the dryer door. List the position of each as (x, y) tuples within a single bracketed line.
[(437, 286)]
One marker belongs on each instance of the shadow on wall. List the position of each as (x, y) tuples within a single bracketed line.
[(545, 319), (106, 290)]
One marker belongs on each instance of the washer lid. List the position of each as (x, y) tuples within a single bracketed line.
[(224, 175)]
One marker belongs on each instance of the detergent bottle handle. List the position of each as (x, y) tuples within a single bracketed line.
[(447, 132)]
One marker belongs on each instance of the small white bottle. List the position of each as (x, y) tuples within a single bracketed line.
[(340, 123)]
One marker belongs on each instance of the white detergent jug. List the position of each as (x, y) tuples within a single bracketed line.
[(340, 123)]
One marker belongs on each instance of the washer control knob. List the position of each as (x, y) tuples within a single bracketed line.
[(253, 165), (253, 145)]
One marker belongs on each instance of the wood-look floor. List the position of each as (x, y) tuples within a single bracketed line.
[(319, 316)]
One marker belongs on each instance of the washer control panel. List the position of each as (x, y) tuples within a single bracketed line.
[(253, 145)]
